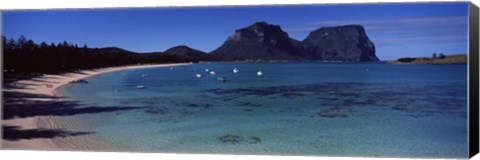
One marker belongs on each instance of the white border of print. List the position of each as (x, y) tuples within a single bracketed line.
[(60, 155)]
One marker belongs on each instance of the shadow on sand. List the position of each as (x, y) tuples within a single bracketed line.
[(23, 105), (14, 133)]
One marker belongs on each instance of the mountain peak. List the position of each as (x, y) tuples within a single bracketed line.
[(260, 23), (187, 53), (182, 47), (264, 26), (259, 41), (348, 42), (263, 41), (345, 28), (258, 31)]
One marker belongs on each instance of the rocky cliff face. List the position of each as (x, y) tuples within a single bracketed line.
[(263, 41), (260, 41), (344, 43)]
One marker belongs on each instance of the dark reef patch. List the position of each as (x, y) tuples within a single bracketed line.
[(156, 101), (147, 101), (198, 105), (247, 104), (155, 110), (234, 139), (339, 99), (418, 99), (334, 112)]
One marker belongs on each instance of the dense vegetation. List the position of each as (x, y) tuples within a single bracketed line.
[(440, 59), (406, 60), (23, 58)]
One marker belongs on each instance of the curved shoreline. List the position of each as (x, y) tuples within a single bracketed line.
[(46, 86)]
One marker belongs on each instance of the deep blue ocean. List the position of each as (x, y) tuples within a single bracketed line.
[(319, 109)]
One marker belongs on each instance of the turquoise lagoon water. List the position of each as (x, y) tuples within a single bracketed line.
[(319, 109)]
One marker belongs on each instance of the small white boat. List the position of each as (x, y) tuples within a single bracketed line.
[(206, 70), (198, 75), (140, 87), (213, 73), (222, 79), (171, 68), (144, 75), (235, 70), (259, 73)]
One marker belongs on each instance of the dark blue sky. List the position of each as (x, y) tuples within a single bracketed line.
[(397, 30)]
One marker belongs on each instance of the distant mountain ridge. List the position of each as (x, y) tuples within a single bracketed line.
[(262, 42), (267, 42), (186, 52)]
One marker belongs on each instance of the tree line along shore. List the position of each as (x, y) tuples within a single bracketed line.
[(25, 59), (435, 59)]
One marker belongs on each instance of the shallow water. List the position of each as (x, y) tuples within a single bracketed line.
[(321, 109)]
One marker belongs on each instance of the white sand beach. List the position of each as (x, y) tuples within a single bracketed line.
[(46, 86)]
